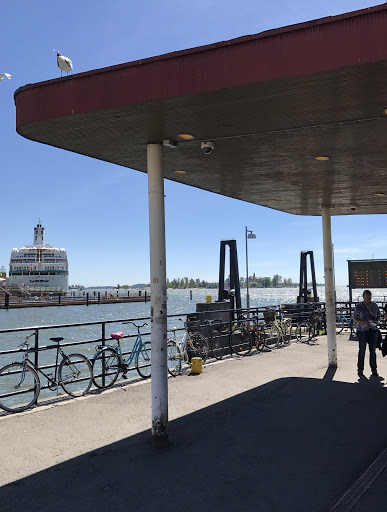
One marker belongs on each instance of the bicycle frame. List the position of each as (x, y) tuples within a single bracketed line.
[(50, 380), (135, 350)]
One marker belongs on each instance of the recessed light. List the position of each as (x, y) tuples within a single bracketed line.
[(185, 136), (385, 111), (321, 158), (380, 194), (180, 171)]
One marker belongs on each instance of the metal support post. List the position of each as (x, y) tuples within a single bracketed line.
[(247, 277), (158, 291), (329, 286)]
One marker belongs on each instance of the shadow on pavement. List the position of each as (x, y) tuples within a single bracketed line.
[(292, 444)]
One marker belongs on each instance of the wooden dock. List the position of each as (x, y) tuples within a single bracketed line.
[(69, 301)]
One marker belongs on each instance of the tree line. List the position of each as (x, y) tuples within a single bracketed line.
[(276, 281)]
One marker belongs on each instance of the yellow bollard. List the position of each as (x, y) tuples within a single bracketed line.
[(196, 365), (208, 299)]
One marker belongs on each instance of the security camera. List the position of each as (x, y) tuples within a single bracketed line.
[(353, 208), (207, 147)]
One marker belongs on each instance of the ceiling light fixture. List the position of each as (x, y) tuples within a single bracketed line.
[(380, 194), (185, 136), (180, 171), (321, 158)]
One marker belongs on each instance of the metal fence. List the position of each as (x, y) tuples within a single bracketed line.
[(87, 336)]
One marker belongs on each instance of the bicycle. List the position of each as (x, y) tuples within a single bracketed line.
[(192, 344), (276, 332), (342, 322), (74, 375), (262, 334), (308, 330), (215, 339), (109, 361)]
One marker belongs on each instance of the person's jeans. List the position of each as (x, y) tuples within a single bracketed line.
[(365, 337)]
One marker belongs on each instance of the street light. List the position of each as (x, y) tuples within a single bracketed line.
[(248, 234)]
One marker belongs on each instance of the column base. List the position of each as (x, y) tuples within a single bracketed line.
[(160, 441)]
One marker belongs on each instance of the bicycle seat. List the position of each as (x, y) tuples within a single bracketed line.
[(56, 340), (117, 335)]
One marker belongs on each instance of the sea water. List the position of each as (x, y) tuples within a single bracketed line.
[(179, 302)]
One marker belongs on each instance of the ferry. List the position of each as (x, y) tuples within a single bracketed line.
[(39, 267)]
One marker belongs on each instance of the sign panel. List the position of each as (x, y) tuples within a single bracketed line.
[(367, 273)]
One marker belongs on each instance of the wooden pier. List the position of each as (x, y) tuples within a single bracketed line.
[(19, 302)]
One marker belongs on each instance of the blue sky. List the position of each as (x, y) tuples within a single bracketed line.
[(99, 211)]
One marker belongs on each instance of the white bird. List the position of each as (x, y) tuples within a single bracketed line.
[(2, 75), (64, 63)]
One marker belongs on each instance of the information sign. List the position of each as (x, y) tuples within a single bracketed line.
[(367, 274)]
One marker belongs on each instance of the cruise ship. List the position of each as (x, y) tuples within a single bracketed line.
[(40, 266)]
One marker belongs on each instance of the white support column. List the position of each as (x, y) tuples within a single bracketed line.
[(329, 286), (159, 384)]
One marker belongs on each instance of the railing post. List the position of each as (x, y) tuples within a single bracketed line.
[(145, 296), (36, 356), (99, 297), (103, 355), (87, 299), (6, 300), (230, 330)]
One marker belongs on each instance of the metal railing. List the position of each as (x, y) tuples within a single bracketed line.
[(89, 334)]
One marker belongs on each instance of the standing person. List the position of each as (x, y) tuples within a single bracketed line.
[(367, 316)]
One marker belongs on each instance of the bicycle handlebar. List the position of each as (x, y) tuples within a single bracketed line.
[(27, 338), (138, 327)]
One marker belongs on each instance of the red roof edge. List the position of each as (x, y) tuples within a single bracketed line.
[(211, 46)]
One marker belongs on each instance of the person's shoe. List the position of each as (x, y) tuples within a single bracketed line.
[(374, 374)]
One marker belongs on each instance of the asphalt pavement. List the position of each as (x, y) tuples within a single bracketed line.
[(274, 431)]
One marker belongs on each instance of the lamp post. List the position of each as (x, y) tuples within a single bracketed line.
[(248, 234)]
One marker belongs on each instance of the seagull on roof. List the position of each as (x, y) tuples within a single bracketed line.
[(64, 63), (2, 75)]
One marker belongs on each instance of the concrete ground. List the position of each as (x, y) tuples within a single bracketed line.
[(273, 431)]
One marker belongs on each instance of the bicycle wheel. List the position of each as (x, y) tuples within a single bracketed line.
[(271, 335), (339, 324), (174, 358), (302, 332), (258, 340), (197, 346), (287, 331), (143, 360), (75, 374), (311, 331), (18, 392), (216, 344), (241, 342), (106, 367)]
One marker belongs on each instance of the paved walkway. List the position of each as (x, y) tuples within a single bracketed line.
[(270, 432)]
